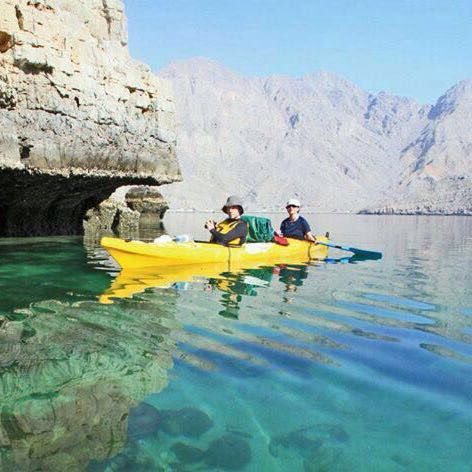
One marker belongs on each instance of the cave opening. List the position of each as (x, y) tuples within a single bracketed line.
[(42, 204)]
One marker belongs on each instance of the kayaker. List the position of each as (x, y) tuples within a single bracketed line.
[(232, 230), (295, 226)]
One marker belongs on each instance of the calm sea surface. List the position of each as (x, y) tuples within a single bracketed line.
[(326, 366)]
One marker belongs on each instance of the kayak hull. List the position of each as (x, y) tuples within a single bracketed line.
[(138, 254)]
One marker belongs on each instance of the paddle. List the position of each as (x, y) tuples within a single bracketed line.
[(358, 252)]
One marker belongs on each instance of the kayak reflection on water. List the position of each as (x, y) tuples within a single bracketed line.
[(235, 285), (234, 280)]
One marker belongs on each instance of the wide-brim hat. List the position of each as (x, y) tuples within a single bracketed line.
[(233, 200), (294, 202)]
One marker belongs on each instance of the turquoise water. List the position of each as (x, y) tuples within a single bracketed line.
[(326, 366)]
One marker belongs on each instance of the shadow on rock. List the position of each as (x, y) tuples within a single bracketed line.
[(312, 444), (327, 459), (228, 452), (306, 441), (296, 442), (187, 454), (189, 422), (145, 420)]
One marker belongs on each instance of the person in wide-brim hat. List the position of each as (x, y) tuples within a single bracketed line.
[(233, 201), (232, 230)]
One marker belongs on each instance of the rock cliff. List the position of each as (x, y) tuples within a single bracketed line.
[(78, 116), (126, 212), (319, 138)]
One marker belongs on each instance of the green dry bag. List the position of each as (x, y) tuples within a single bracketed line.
[(259, 229)]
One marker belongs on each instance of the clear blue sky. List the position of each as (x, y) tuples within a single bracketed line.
[(414, 48)]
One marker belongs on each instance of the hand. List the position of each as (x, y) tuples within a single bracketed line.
[(209, 225), (309, 236), (278, 233)]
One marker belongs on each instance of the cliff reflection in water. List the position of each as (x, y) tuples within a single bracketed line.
[(69, 373)]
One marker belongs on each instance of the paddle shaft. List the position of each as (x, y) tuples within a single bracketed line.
[(363, 252)]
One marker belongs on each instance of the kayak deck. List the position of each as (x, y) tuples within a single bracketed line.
[(136, 254)]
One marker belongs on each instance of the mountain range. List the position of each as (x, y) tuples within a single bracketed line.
[(319, 138)]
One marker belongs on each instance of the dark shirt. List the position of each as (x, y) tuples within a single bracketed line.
[(295, 229), (240, 231)]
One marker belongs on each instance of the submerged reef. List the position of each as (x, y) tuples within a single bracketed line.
[(69, 374)]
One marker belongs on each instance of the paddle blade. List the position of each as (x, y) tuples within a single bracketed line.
[(373, 255), (361, 253)]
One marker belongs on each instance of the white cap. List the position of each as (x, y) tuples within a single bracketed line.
[(294, 202)]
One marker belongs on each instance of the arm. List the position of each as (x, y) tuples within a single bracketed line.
[(309, 237), (307, 230), (239, 232), (280, 232)]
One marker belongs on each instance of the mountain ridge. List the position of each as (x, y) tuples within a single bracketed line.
[(320, 138)]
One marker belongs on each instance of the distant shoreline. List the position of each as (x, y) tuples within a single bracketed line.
[(311, 212)]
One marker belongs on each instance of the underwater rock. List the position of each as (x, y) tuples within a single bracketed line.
[(189, 422), (235, 432), (228, 452), (177, 467), (144, 420), (304, 441), (334, 432), (327, 459), (132, 458), (401, 460), (298, 441), (187, 453)]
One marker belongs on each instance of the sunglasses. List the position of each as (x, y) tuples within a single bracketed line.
[(292, 206)]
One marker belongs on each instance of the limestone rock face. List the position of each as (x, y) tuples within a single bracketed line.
[(111, 216), (73, 102), (146, 200), (126, 211)]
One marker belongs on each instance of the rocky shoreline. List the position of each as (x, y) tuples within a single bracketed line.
[(448, 196), (412, 212), (140, 207)]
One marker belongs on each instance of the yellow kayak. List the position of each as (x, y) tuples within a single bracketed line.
[(137, 254)]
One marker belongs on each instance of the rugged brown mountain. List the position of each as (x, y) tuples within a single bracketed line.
[(436, 172), (319, 138)]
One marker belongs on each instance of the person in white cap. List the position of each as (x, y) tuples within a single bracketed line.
[(295, 226), (233, 230)]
